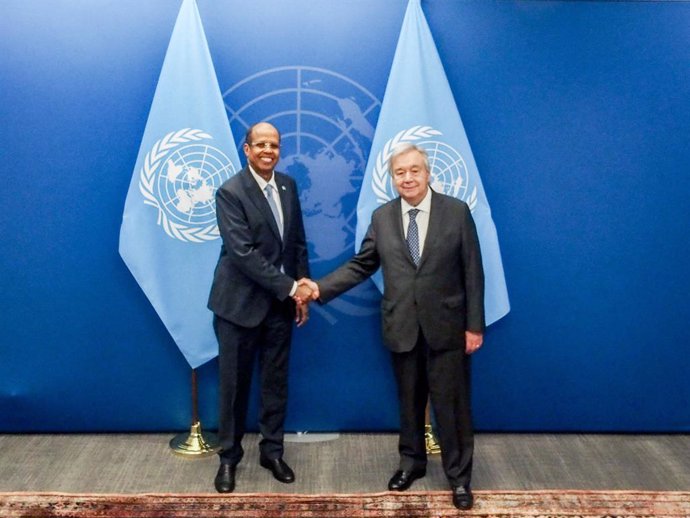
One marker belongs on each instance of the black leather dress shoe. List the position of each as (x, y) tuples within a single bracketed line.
[(281, 471), (225, 479), (402, 480), (462, 497)]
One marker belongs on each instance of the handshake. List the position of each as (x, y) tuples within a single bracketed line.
[(307, 291)]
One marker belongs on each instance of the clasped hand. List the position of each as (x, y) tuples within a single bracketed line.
[(307, 290)]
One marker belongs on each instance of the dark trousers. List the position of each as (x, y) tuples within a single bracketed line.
[(445, 376), (238, 348)]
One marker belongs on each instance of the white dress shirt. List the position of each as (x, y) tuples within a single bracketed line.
[(276, 198), (422, 218)]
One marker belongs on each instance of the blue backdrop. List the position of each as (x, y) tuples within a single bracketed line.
[(578, 114)]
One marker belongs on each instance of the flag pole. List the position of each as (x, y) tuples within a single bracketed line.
[(195, 443)]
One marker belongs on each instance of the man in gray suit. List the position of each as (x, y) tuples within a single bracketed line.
[(432, 314), (263, 252)]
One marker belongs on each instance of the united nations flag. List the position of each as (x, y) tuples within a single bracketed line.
[(169, 236), (418, 107)]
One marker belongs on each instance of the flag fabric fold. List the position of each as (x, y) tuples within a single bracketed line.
[(418, 107), (169, 236)]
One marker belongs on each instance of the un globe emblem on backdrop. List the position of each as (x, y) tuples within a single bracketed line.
[(327, 124), (179, 177)]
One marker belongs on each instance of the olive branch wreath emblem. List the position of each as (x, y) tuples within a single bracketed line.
[(152, 163)]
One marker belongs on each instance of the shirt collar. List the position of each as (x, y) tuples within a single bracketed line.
[(262, 183), (424, 205)]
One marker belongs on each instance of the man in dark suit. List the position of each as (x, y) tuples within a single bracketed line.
[(432, 314), (263, 251)]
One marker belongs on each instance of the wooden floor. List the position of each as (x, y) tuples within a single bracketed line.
[(349, 463)]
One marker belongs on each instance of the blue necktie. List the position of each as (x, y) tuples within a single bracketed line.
[(274, 208), (413, 236)]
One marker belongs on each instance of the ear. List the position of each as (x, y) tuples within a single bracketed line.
[(245, 148)]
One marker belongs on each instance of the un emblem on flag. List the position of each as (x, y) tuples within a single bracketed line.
[(448, 170), (179, 177)]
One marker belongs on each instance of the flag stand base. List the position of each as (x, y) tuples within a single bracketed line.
[(195, 443), (432, 446)]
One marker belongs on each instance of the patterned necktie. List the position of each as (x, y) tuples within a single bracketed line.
[(413, 236), (274, 208)]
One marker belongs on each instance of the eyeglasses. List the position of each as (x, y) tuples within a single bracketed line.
[(265, 145)]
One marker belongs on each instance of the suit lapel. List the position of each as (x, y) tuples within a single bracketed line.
[(397, 216), (284, 193), (258, 198)]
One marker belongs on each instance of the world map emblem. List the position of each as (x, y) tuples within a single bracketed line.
[(327, 123), (179, 177), (448, 169)]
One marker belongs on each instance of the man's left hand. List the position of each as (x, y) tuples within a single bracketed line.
[(473, 341)]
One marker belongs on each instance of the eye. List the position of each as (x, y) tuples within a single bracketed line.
[(265, 145)]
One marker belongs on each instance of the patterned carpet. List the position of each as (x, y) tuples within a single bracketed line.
[(494, 504)]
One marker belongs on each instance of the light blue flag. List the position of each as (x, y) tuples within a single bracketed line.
[(418, 107), (169, 237)]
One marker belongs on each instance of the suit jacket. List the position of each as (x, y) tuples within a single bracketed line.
[(248, 275), (443, 296)]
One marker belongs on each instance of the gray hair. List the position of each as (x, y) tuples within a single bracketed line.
[(406, 147)]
